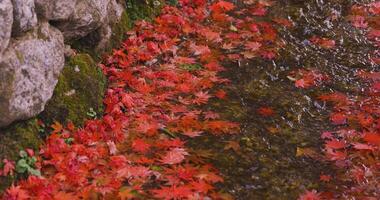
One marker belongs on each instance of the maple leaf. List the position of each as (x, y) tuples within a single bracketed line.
[(16, 193), (254, 27), (30, 152), (310, 195), (335, 144), (192, 133), (323, 42), (199, 49), (64, 196), (283, 22), (167, 143), (359, 21), (184, 60), (133, 171), (253, 46), (127, 100), (375, 8), (201, 98), (259, 10), (265, 111), (338, 118), (210, 35), (201, 186), (208, 175), (174, 156), (139, 145), (173, 192), (325, 178), (372, 138), (336, 97), (211, 115), (361, 146), (219, 126), (336, 155), (326, 135), (9, 167), (222, 6)]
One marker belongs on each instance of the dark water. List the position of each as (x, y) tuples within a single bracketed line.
[(267, 166)]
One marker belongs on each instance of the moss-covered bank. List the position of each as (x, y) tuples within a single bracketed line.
[(79, 92)]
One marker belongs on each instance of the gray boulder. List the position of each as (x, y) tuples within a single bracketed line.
[(104, 33), (28, 73), (55, 9), (24, 15), (87, 16), (6, 21)]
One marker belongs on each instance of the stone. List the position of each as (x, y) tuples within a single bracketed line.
[(24, 16), (6, 21), (104, 34), (55, 9), (28, 73), (88, 15)]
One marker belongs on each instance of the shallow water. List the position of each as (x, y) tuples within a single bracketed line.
[(267, 166)]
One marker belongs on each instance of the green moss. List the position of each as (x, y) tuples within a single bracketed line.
[(16, 137), (80, 89)]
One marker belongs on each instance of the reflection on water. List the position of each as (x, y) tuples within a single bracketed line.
[(267, 166)]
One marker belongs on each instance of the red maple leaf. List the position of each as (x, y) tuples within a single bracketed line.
[(335, 144), (174, 156), (201, 186), (222, 6), (372, 138), (16, 193), (338, 118), (265, 111), (139, 145), (359, 21), (173, 192), (310, 195), (325, 178), (253, 46), (9, 167), (199, 49), (221, 94), (201, 97)]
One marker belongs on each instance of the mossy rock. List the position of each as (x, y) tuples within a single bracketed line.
[(16, 137), (80, 89)]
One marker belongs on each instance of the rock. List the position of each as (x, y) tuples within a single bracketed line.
[(55, 9), (24, 16), (28, 73), (6, 21), (115, 12), (103, 35), (88, 15)]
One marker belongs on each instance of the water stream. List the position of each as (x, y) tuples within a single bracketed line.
[(266, 163)]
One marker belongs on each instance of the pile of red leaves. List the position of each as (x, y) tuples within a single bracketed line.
[(158, 80)]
